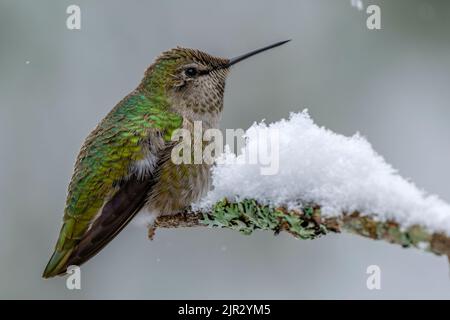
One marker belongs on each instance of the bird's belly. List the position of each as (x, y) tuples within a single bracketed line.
[(178, 187)]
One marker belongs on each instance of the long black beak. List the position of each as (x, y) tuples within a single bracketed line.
[(252, 53)]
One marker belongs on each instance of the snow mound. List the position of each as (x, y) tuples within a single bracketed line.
[(316, 165)]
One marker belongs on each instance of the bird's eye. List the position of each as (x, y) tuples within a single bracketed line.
[(191, 72)]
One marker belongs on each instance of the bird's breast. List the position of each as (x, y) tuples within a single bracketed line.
[(185, 176)]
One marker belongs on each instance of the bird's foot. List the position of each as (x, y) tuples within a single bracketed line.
[(151, 232)]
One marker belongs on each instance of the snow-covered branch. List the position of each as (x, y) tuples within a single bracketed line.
[(323, 182), (248, 216)]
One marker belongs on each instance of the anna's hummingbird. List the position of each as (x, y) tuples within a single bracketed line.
[(124, 166)]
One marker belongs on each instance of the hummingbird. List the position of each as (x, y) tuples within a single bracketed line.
[(124, 166)]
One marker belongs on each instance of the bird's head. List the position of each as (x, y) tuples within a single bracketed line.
[(191, 81)]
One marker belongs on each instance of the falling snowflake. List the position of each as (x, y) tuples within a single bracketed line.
[(358, 4)]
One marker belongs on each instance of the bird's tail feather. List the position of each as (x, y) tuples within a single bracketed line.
[(57, 263)]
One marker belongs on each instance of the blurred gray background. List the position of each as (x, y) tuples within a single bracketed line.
[(391, 85)]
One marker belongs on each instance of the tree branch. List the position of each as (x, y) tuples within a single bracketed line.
[(247, 216)]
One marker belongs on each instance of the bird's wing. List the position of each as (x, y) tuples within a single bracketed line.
[(116, 214), (105, 192)]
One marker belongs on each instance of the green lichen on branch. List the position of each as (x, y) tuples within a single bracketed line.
[(248, 215)]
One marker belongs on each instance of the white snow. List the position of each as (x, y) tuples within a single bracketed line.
[(316, 165), (358, 4)]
